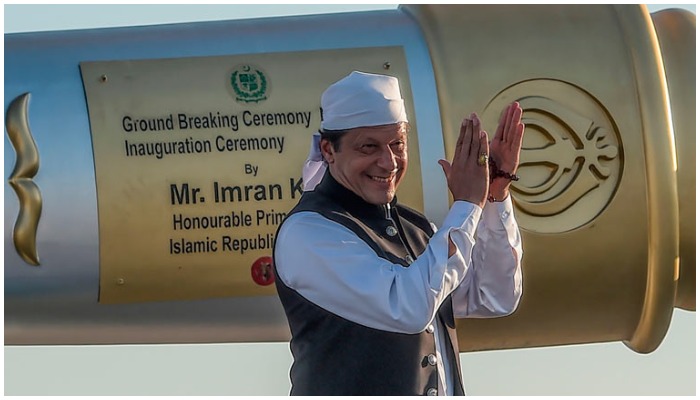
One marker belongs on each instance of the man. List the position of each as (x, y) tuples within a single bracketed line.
[(370, 287)]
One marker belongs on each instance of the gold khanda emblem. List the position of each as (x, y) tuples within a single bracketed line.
[(571, 160)]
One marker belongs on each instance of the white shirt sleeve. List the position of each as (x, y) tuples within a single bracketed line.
[(330, 266), (493, 285)]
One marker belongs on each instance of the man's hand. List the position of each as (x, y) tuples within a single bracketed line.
[(468, 175), (505, 148)]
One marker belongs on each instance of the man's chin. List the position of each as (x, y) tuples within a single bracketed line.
[(381, 199)]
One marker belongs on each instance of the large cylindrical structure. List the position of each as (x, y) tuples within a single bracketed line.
[(152, 165)]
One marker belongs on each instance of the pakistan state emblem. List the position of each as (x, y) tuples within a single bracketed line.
[(249, 84)]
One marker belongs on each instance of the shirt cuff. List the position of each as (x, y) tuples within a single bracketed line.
[(463, 215), (459, 226), (498, 215)]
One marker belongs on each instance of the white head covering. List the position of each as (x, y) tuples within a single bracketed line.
[(359, 99)]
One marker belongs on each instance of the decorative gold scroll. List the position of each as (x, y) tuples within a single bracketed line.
[(21, 180), (198, 160)]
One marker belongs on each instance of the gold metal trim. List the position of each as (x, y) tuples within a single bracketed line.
[(676, 35), (662, 191), (26, 167)]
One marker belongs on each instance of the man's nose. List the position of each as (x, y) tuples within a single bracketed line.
[(387, 159)]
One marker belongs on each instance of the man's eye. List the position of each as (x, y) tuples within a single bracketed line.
[(368, 147), (398, 146)]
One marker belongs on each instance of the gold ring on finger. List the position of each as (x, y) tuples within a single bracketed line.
[(483, 159)]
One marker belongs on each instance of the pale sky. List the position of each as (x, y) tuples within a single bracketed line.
[(41, 17), (593, 369)]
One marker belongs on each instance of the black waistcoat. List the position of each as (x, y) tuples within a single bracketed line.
[(335, 356)]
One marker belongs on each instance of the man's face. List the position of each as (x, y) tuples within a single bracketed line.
[(370, 161)]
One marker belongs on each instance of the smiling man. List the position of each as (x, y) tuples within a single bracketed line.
[(370, 287)]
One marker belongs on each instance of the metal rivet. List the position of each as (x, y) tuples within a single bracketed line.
[(387, 65), (391, 231), (103, 78)]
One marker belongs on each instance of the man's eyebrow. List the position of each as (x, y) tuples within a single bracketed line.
[(366, 139)]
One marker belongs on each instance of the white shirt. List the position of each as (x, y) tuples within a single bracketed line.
[(333, 268)]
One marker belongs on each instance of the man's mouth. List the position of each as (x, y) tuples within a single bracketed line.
[(382, 179)]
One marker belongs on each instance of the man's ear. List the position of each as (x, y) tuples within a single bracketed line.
[(327, 151)]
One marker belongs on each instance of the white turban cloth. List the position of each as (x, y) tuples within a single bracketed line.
[(360, 99)]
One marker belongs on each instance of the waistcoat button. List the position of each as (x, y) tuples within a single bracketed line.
[(409, 259), (391, 231), (432, 360), (431, 392), (430, 329)]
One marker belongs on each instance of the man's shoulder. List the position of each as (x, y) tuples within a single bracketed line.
[(312, 201), (311, 208)]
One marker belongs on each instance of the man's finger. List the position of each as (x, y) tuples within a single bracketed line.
[(476, 129), (460, 139), (466, 145), (508, 123), (514, 121), (446, 168), (501, 123), (517, 141), (484, 144)]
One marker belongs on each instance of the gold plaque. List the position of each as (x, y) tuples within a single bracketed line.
[(198, 160)]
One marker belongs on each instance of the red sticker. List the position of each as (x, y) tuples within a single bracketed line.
[(261, 270)]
